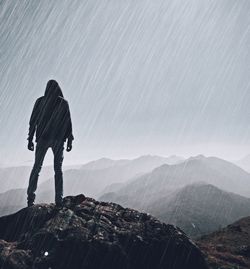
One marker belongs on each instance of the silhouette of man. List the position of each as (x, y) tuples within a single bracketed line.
[(51, 121)]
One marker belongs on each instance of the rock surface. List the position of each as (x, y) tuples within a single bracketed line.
[(88, 234)]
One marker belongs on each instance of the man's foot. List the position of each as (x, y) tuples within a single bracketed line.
[(30, 203)]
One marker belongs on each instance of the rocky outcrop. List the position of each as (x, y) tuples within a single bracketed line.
[(88, 234)]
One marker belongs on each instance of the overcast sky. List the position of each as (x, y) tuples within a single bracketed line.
[(141, 76)]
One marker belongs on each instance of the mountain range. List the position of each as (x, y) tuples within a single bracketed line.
[(199, 195), (166, 179), (93, 177)]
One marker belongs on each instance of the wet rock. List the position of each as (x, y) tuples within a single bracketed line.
[(88, 234)]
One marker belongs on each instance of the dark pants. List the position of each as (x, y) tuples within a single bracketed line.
[(41, 149)]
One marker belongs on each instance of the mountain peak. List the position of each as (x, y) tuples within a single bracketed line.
[(198, 157), (89, 234), (148, 156)]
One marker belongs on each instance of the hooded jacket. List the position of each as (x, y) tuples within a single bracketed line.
[(50, 118)]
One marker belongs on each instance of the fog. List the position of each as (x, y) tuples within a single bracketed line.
[(141, 77)]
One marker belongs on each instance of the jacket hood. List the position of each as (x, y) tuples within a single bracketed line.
[(53, 90)]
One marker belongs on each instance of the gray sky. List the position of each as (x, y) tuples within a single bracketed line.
[(141, 77)]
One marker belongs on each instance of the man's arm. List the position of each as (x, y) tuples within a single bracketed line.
[(32, 124), (70, 136)]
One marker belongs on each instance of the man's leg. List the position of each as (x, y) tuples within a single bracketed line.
[(41, 149), (57, 149)]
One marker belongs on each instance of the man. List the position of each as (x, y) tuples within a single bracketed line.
[(51, 121)]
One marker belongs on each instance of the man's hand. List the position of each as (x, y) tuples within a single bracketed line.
[(31, 146), (69, 146)]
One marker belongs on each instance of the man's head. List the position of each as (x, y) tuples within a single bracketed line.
[(53, 90)]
